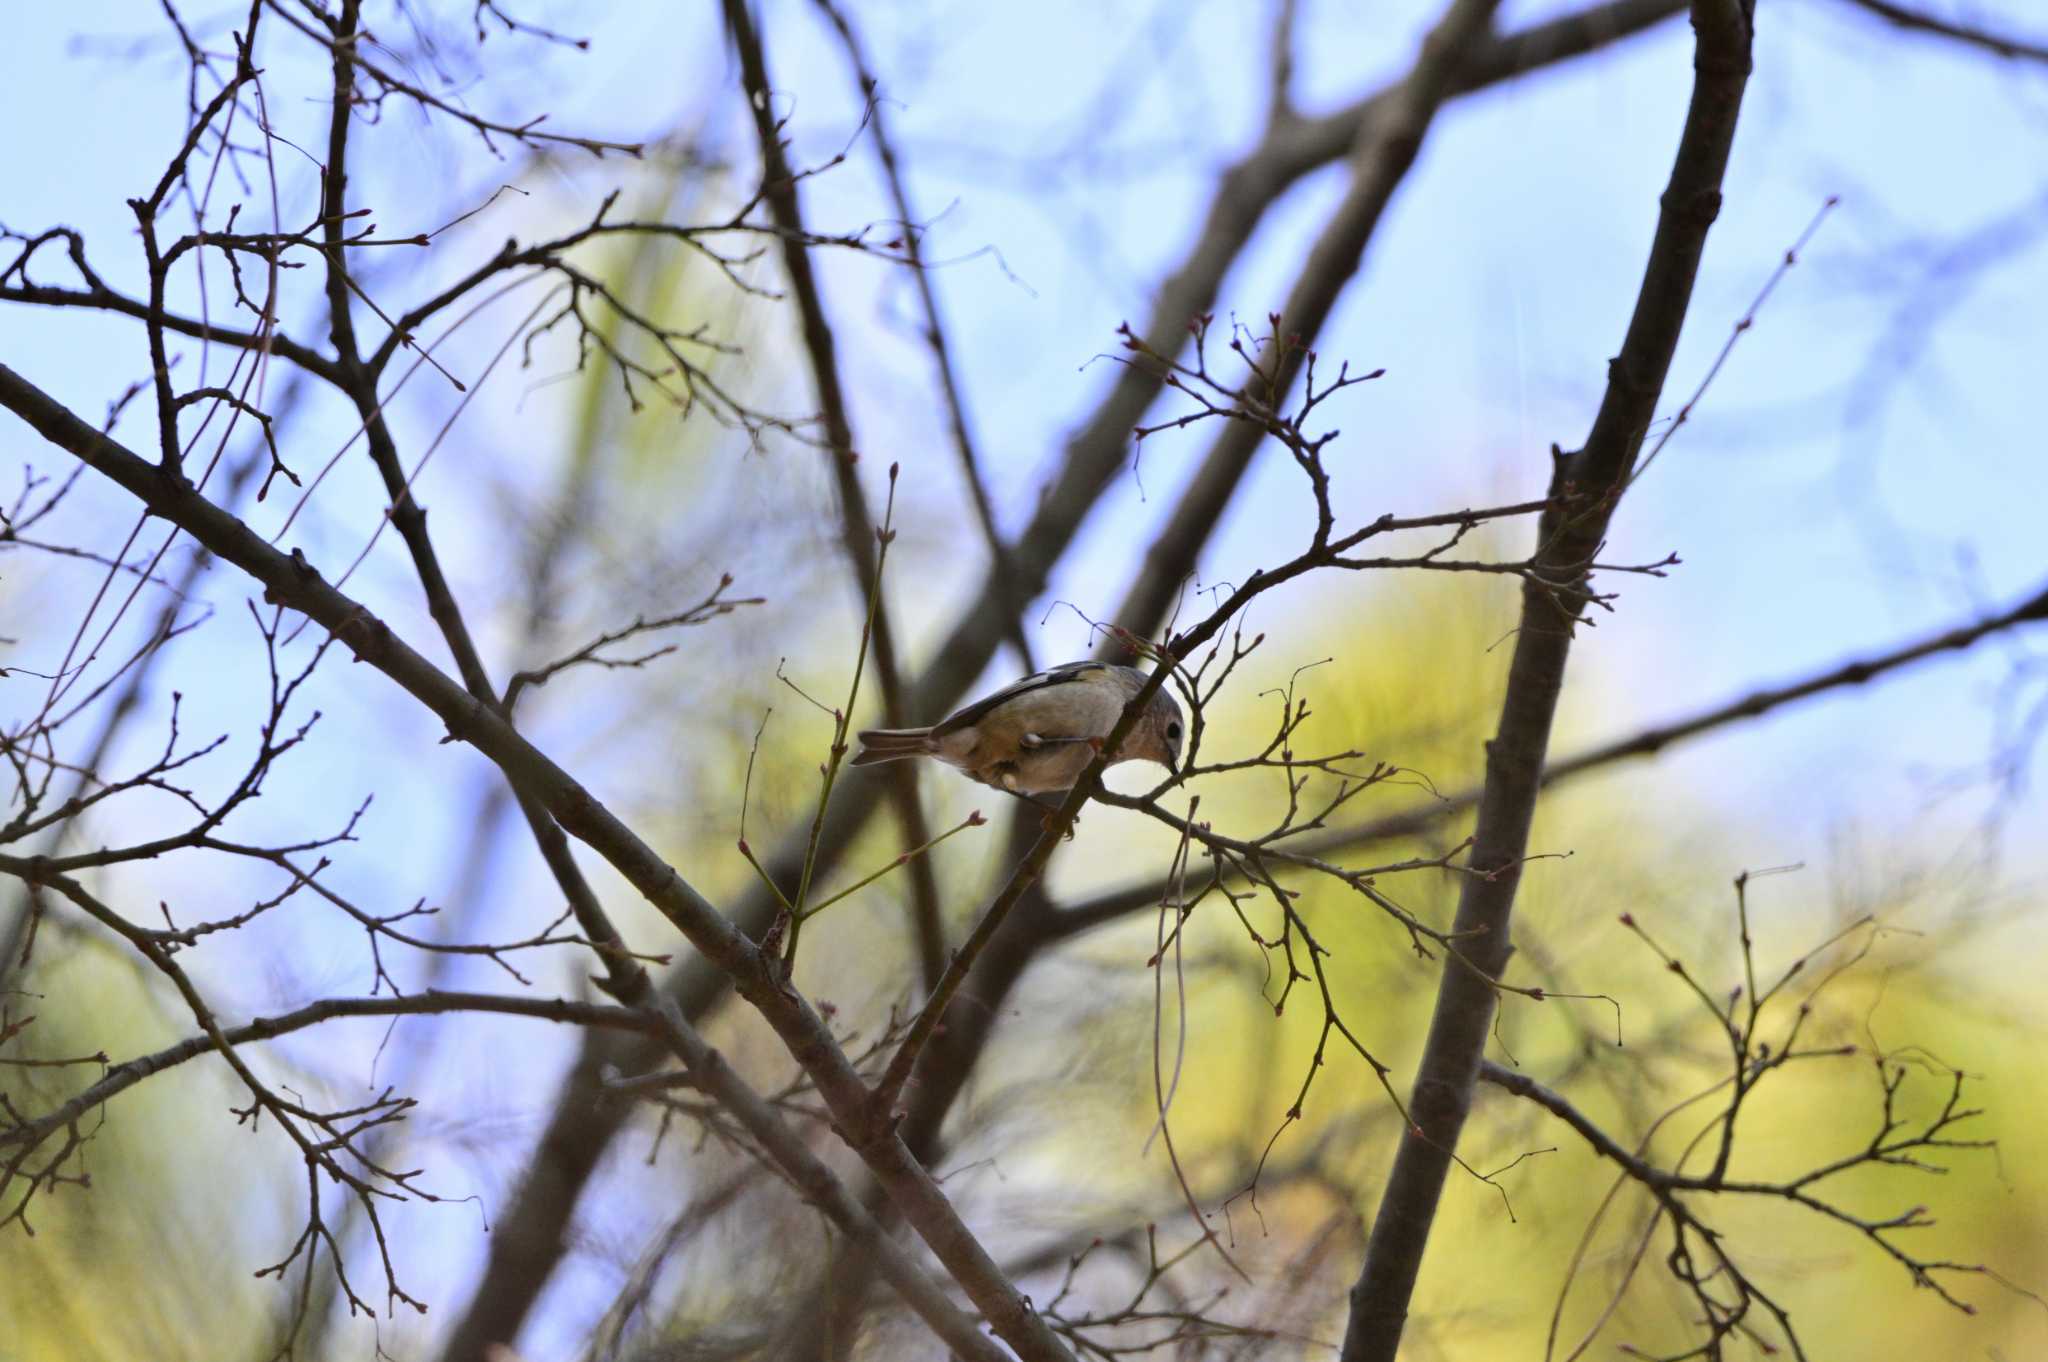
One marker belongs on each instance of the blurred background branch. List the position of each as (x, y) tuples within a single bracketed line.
[(645, 303)]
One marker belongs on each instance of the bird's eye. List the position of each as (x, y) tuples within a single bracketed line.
[(1173, 732)]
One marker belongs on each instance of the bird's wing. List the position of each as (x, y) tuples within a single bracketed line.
[(1051, 676)]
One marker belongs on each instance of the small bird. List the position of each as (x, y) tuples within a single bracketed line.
[(1038, 736)]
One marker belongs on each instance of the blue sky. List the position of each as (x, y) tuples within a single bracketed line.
[(1867, 467), (1825, 499)]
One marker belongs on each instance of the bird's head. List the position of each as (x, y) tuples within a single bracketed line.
[(1165, 730)]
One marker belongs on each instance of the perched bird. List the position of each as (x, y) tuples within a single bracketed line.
[(1037, 736)]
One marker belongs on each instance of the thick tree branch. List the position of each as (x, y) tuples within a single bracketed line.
[(1587, 482)]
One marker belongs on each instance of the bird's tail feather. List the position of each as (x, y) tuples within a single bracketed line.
[(893, 744)]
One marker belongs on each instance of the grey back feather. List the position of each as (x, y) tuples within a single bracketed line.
[(1051, 676)]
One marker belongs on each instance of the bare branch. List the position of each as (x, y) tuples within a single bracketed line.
[(1115, 904), (1586, 483), (1976, 36), (291, 581)]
